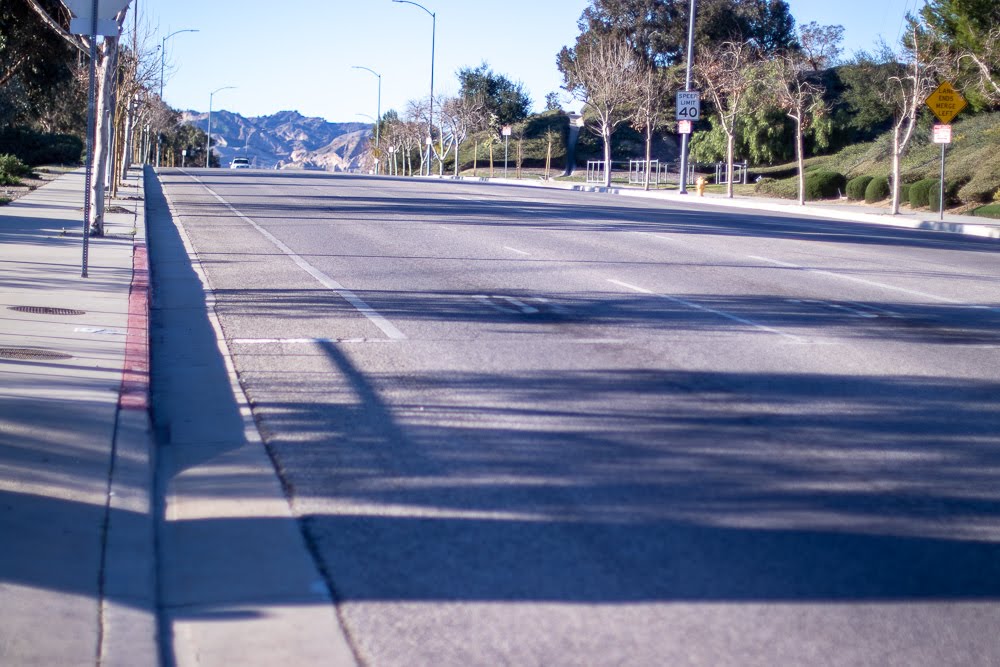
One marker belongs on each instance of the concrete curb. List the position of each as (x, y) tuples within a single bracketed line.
[(129, 602)]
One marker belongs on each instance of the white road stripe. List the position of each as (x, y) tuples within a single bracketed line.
[(720, 313), (520, 252), (357, 302), (304, 341), (870, 283)]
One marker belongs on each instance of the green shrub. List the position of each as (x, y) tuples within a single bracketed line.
[(35, 148), (934, 195), (856, 187), (904, 193), (822, 184), (11, 170), (877, 190), (920, 192)]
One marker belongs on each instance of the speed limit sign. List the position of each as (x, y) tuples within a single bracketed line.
[(688, 105)]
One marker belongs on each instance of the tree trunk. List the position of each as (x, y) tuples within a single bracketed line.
[(519, 156), (896, 149), (105, 70), (127, 140), (800, 158), (649, 152), (548, 159), (458, 151), (730, 141), (606, 135)]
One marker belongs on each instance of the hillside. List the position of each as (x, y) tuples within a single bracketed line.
[(972, 162), (286, 139)]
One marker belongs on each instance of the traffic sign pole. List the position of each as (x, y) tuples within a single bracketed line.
[(946, 103), (941, 200)]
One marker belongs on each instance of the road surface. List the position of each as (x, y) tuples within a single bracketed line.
[(536, 427)]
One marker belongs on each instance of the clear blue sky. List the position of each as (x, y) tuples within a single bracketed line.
[(297, 54)]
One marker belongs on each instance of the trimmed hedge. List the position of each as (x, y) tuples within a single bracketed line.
[(822, 184), (877, 190), (35, 148), (904, 193), (856, 187), (934, 196), (920, 192)]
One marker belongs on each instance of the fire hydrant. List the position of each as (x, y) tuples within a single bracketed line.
[(699, 186)]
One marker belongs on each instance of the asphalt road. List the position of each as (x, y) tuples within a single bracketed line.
[(536, 427)]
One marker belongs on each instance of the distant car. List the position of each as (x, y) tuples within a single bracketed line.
[(239, 163)]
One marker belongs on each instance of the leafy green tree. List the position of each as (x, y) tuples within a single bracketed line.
[(657, 29), (37, 69), (503, 98)]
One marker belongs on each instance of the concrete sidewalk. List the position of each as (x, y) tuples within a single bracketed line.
[(76, 569)]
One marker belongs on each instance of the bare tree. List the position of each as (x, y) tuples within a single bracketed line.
[(416, 117), (652, 105), (906, 79), (604, 74), (463, 115), (105, 63), (799, 93), (727, 74)]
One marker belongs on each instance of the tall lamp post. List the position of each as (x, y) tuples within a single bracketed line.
[(378, 115), (687, 88), (163, 47), (430, 114), (208, 140)]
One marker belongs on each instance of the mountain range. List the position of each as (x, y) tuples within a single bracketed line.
[(285, 140)]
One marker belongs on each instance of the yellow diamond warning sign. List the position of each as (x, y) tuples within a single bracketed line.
[(946, 102)]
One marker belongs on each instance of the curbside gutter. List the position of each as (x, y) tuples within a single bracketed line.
[(916, 221)]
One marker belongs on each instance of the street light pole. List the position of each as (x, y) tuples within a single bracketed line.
[(163, 47), (687, 88), (208, 140), (430, 115), (378, 116)]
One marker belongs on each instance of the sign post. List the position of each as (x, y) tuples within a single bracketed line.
[(92, 18), (946, 103)]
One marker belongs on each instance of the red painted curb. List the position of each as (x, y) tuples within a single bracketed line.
[(134, 394)]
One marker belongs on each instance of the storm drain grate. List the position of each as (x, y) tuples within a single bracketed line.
[(31, 354), (44, 310)]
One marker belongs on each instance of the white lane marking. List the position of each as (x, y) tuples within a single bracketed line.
[(387, 327), (525, 308), (520, 252), (655, 236), (520, 307), (829, 304), (304, 341), (870, 283), (720, 313)]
